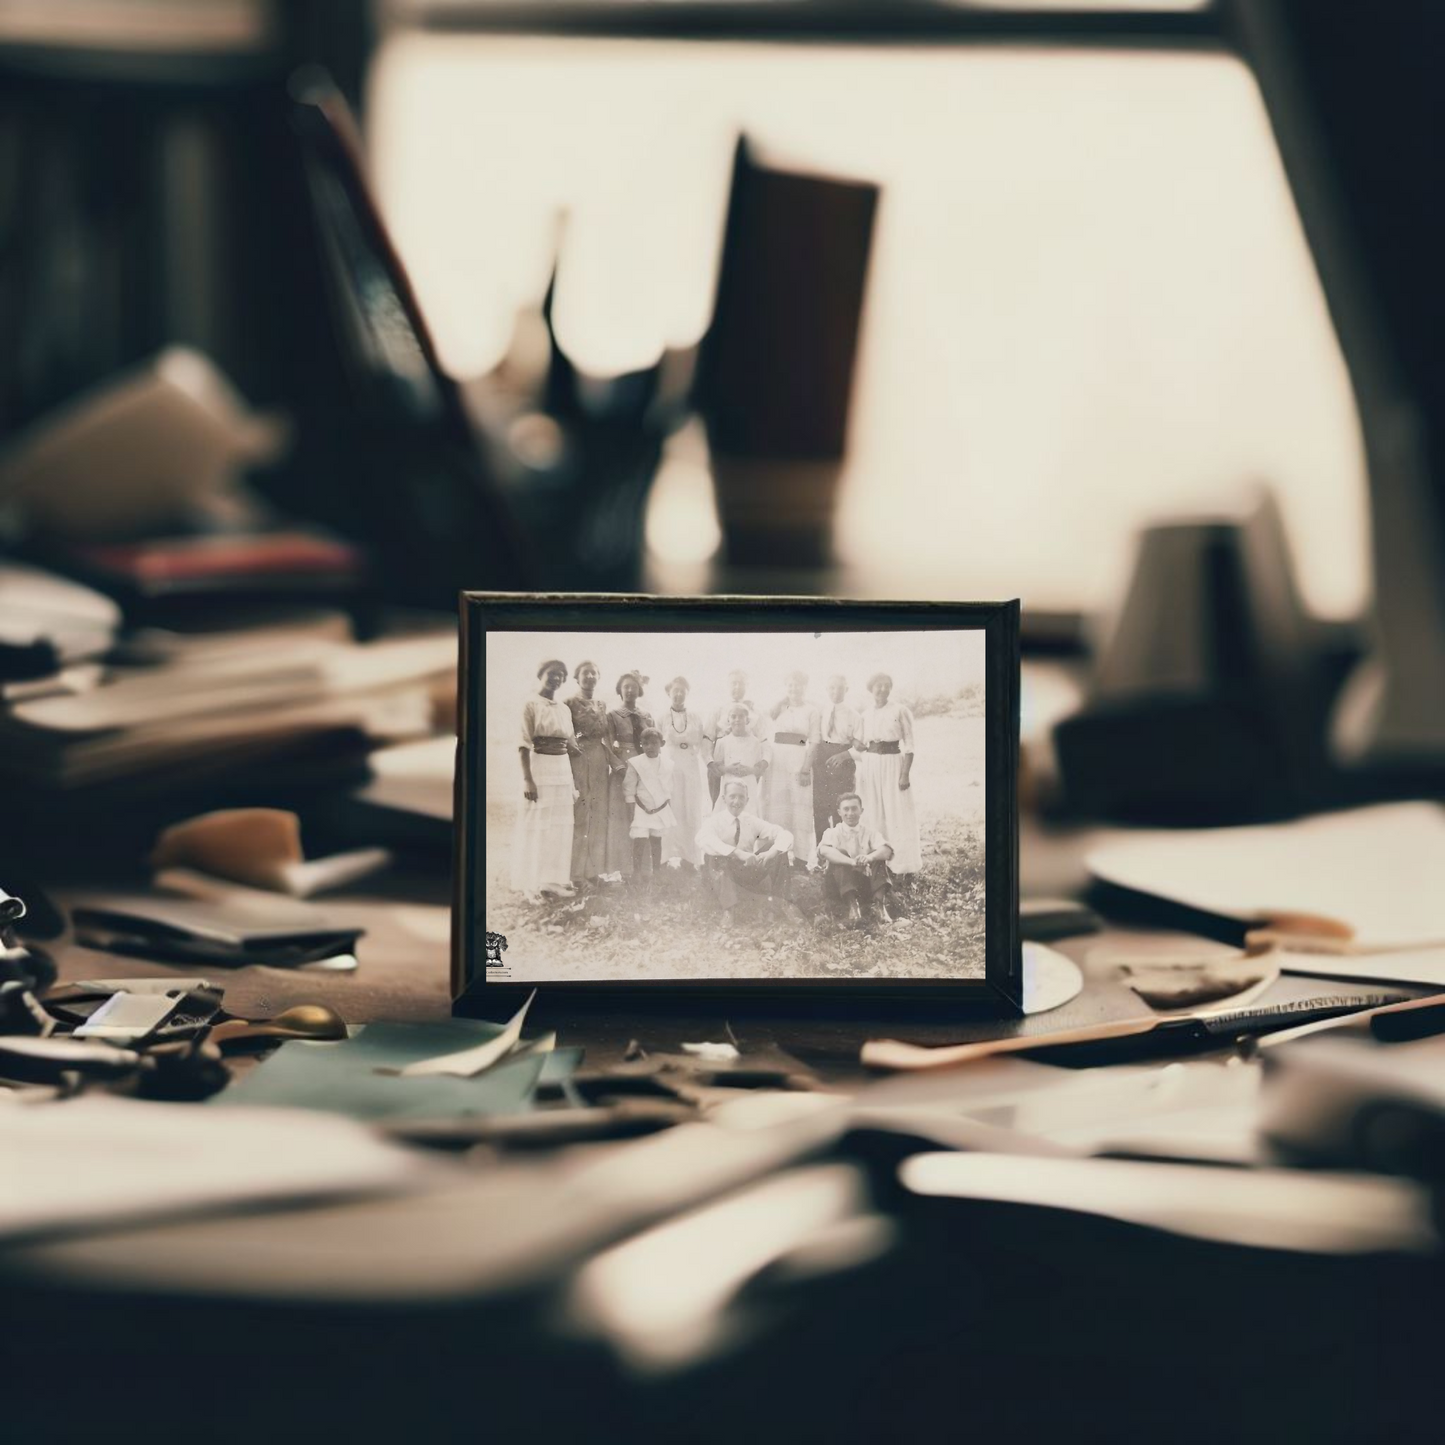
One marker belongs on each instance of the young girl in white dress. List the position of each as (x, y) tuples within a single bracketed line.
[(884, 750), (648, 790)]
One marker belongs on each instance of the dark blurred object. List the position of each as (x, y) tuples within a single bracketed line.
[(21, 1013), (408, 470), (134, 487), (1352, 1104), (182, 1072), (1209, 699), (405, 805), (29, 968), (32, 969), (590, 502), (158, 194), (149, 193), (1353, 96), (154, 449), (239, 927), (182, 579), (1041, 920), (130, 208), (776, 368)]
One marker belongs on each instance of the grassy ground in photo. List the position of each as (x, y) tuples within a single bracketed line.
[(672, 930)]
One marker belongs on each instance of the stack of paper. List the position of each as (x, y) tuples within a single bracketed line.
[(223, 705)]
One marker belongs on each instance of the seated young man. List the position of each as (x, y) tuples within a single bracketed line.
[(856, 857), (742, 852)]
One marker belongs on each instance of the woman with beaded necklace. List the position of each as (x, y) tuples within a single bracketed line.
[(683, 733)]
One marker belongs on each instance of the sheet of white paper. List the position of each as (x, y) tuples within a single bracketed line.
[(468, 1063), (1376, 869), (98, 1161), (1197, 1109), (1412, 965), (1265, 1208)]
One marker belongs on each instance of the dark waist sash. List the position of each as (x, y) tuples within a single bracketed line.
[(796, 740), (550, 747), (876, 747)]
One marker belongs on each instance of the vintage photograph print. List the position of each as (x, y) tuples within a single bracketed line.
[(738, 793)]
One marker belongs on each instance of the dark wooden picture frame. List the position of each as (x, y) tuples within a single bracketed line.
[(482, 613)]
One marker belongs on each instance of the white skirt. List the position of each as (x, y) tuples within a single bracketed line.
[(689, 807), (542, 844), (646, 825), (889, 809), (786, 801)]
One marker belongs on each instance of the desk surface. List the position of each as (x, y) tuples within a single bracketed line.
[(1014, 1322), (404, 976)]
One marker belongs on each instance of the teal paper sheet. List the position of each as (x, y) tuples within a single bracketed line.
[(342, 1077)]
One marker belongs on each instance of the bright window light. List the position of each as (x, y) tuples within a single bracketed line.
[(1090, 303)]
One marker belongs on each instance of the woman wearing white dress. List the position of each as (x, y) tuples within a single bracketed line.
[(684, 744), (788, 784), (884, 750), (542, 847)]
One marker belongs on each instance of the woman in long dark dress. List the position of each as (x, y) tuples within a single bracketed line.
[(592, 771), (627, 723)]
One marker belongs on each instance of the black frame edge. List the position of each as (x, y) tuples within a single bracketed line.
[(1001, 988)]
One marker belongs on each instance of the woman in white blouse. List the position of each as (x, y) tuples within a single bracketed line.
[(683, 733), (884, 750), (542, 848), (788, 783)]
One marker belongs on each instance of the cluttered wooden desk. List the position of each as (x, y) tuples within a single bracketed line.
[(697, 1220), (1033, 1239), (257, 1179)]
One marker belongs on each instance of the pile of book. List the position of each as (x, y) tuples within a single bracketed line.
[(156, 714)]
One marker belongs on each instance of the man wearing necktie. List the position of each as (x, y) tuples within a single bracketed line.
[(835, 771), (855, 857), (742, 852)]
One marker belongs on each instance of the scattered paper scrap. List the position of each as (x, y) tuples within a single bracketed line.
[(468, 1063), (363, 1076), (714, 1053), (260, 847)]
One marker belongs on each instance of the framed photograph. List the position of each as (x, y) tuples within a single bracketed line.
[(736, 796)]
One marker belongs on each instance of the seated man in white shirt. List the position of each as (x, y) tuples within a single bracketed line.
[(742, 851), (856, 857)]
